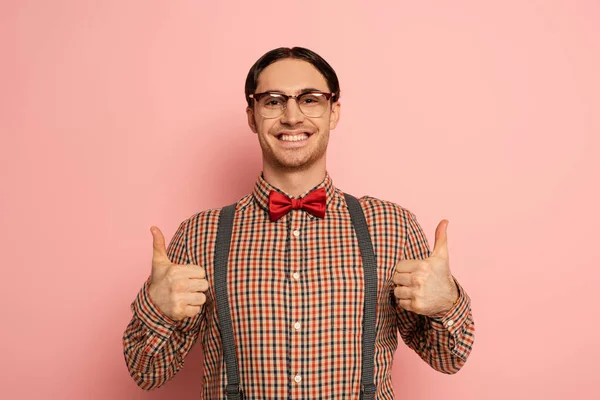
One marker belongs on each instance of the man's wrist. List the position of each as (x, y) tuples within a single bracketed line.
[(151, 314), (453, 301), (456, 294)]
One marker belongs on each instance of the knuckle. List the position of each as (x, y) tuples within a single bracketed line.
[(179, 285), (194, 270), (178, 311), (172, 272), (417, 305), (418, 280), (198, 271), (178, 306), (192, 311), (406, 304), (203, 285)]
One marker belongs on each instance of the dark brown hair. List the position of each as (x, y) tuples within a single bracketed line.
[(299, 53)]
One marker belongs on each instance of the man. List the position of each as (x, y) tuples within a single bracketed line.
[(296, 282)]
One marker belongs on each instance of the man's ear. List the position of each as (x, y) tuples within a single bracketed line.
[(251, 120), (334, 117)]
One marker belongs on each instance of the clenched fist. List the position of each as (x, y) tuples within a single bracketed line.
[(177, 290), (426, 286)]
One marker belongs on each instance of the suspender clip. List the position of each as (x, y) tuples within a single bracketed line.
[(234, 392)]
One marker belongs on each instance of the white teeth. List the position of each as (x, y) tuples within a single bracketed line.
[(293, 138)]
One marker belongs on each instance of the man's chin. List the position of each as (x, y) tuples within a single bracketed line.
[(292, 165), (292, 161)]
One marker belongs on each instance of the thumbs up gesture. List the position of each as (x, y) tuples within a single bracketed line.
[(177, 290), (426, 286)]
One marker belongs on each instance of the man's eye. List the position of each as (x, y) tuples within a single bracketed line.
[(311, 99), (272, 102)]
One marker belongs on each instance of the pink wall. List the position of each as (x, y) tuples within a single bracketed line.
[(117, 115)]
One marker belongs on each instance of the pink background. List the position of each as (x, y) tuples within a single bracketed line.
[(117, 115)]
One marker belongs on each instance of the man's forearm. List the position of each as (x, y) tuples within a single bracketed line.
[(443, 342), (153, 345)]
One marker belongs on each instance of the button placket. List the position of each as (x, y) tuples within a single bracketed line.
[(296, 239)]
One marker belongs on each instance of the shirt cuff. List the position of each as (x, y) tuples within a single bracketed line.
[(455, 318), (145, 309)]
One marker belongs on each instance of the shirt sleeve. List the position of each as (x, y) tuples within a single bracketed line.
[(444, 342), (154, 345)]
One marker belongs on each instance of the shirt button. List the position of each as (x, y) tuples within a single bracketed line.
[(297, 378), (297, 326), (296, 233), (296, 275), (450, 323)]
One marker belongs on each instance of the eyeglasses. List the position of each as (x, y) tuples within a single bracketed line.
[(272, 104)]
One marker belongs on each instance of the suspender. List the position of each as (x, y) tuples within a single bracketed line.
[(359, 222), (222, 247), (221, 255)]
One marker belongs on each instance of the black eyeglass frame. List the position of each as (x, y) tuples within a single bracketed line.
[(286, 97)]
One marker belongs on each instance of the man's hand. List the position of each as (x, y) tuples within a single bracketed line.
[(426, 286), (175, 289)]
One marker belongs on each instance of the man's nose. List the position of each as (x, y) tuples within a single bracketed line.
[(292, 114)]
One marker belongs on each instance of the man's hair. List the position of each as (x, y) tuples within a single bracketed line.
[(298, 53)]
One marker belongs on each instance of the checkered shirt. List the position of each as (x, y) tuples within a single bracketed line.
[(296, 299)]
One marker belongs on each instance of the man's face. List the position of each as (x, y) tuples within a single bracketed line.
[(292, 141)]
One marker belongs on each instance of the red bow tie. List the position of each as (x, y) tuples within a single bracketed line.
[(280, 204)]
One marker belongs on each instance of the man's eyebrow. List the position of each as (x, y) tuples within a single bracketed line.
[(305, 90)]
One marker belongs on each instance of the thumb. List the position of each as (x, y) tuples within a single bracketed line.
[(159, 249), (440, 247)]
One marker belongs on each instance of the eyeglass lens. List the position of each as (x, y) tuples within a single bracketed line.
[(311, 104)]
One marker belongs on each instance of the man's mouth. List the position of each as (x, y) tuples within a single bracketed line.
[(296, 137)]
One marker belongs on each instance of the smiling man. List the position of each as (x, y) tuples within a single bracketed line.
[(299, 290)]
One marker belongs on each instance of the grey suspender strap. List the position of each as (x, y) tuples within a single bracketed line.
[(222, 246), (359, 222), (221, 293)]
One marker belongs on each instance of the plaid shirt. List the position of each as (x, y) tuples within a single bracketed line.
[(296, 298)]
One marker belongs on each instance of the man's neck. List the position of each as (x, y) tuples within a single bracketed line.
[(294, 183)]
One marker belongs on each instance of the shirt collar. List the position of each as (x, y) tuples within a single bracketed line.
[(262, 188)]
